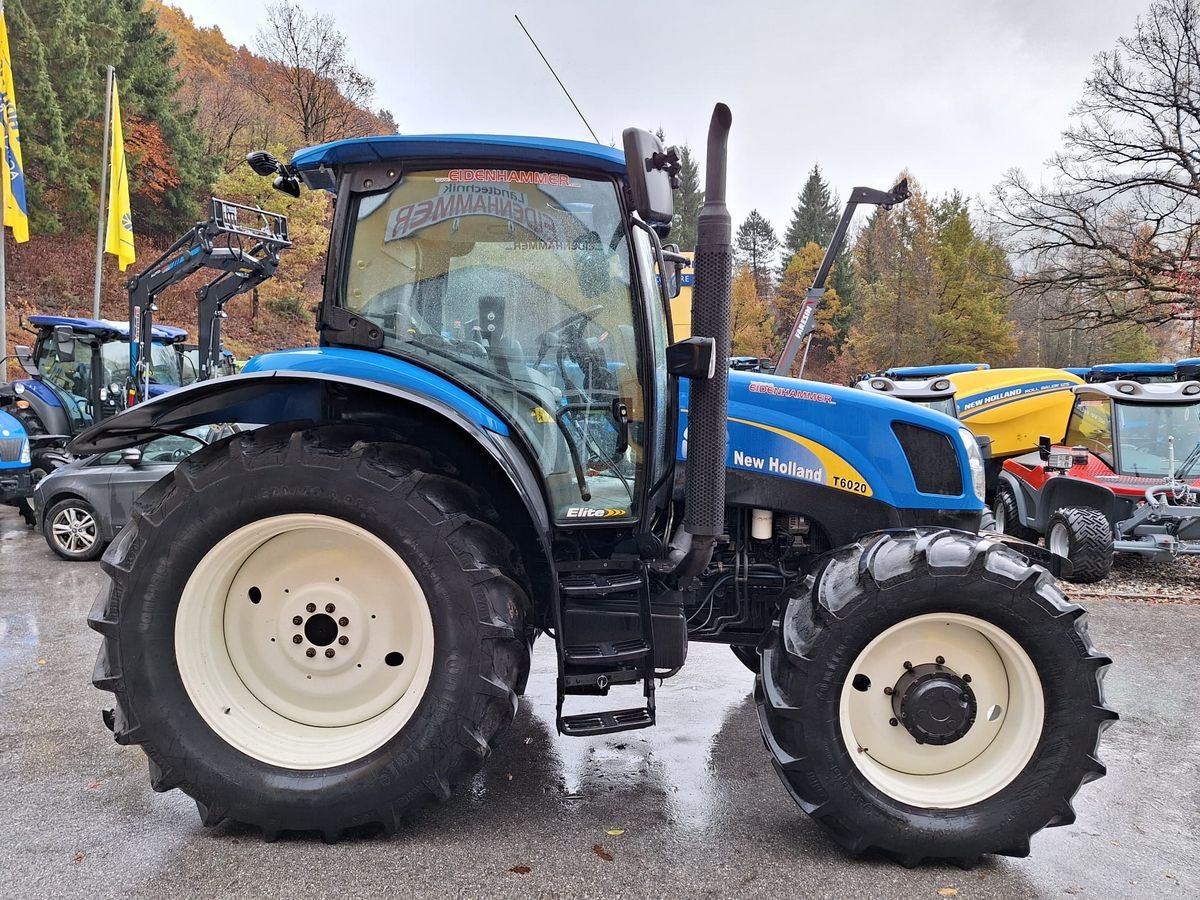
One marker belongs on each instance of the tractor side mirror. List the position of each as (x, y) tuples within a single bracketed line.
[(1044, 446), (694, 357), (653, 173), (676, 262), (25, 358), (64, 343), (131, 456)]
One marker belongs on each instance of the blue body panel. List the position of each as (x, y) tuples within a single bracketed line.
[(40, 391), (378, 367), (934, 371), (774, 423), (1081, 371), (473, 148), (1135, 368), (11, 428), (105, 328)]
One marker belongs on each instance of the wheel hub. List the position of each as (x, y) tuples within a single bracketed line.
[(935, 705), (321, 629)]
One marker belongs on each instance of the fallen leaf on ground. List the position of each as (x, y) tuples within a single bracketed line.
[(520, 870), (41, 662), (602, 853), (615, 832), (948, 892), (92, 785), (79, 857)]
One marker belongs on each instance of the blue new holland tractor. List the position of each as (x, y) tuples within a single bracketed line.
[(326, 621)]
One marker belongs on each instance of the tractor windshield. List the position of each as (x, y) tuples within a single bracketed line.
[(518, 285), (1142, 434), (941, 404)]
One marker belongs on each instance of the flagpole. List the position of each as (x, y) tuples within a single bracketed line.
[(3, 273), (103, 191)]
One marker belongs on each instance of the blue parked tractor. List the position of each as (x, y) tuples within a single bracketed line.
[(15, 481), (324, 622)]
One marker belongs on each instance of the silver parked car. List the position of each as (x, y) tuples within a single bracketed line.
[(82, 506)]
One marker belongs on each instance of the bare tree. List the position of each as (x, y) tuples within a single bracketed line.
[(323, 93), (1116, 229)]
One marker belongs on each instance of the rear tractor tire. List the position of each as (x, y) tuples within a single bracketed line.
[(340, 645), (1084, 536), (933, 695)]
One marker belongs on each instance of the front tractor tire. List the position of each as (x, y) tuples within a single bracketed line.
[(311, 631), (933, 695), (1084, 536)]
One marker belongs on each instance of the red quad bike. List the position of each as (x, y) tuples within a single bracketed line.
[(1125, 481)]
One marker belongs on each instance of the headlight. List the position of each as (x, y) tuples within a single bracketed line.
[(25, 457), (975, 461)]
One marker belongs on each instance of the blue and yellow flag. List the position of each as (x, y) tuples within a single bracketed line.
[(16, 210), (119, 241)]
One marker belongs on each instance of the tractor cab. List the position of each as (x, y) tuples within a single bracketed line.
[(935, 393), (79, 367), (518, 271), (1137, 431)]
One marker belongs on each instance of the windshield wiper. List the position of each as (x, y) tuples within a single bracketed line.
[(572, 447), (1188, 463)]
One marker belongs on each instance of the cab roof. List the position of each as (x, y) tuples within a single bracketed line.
[(910, 372), (1136, 392), (107, 328), (1143, 368), (473, 148)]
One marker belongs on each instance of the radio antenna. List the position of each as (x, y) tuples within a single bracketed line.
[(556, 78)]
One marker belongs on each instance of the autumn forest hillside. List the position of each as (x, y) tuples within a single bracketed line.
[(193, 105)]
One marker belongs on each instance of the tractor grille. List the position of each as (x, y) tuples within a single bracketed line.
[(10, 449)]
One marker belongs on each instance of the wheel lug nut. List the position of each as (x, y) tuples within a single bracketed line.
[(343, 621), (296, 639), (312, 607), (296, 620), (329, 607), (343, 640), (889, 691), (310, 652), (940, 660), (329, 653), (967, 679), (893, 722), (907, 664)]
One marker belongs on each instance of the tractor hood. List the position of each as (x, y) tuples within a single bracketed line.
[(840, 438)]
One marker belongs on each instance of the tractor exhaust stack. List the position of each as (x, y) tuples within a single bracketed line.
[(708, 438)]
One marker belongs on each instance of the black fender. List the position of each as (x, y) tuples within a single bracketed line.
[(53, 419), (1024, 494), (316, 398), (1061, 491)]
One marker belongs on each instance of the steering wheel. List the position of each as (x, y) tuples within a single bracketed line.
[(553, 336), (179, 454)]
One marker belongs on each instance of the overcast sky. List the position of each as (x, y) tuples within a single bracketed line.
[(957, 91)]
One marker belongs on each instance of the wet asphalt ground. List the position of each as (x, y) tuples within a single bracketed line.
[(699, 809)]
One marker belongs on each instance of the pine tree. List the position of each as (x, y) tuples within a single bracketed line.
[(756, 246), (688, 200), (815, 216), (930, 289)]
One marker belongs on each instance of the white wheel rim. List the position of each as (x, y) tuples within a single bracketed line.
[(1060, 541), (1001, 741), (260, 689), (1001, 515), (74, 529)]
